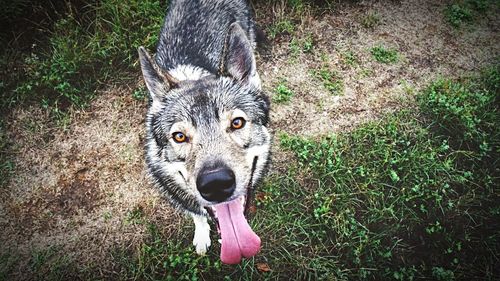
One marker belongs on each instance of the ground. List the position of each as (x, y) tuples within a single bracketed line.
[(78, 188)]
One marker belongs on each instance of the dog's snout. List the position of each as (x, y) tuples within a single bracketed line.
[(216, 185)]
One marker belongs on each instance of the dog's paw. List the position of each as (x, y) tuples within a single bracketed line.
[(201, 242)]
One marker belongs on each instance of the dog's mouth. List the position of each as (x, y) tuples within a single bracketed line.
[(237, 237)]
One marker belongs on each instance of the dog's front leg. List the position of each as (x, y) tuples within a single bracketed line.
[(201, 239)]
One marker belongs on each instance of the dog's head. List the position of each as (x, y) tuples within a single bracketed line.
[(207, 139)]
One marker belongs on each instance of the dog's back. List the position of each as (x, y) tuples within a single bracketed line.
[(194, 32)]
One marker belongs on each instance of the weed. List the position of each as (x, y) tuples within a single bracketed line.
[(297, 5), (349, 58), (331, 80), (282, 93), (466, 11), (442, 274), (467, 112), (158, 258), (140, 94), (294, 49), (370, 20), (284, 26), (384, 55), (457, 15), (51, 264), (305, 45), (135, 216), (308, 44)]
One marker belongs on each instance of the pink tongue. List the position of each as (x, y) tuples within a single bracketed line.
[(238, 239)]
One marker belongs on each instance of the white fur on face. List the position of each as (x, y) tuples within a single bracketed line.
[(260, 151), (188, 72)]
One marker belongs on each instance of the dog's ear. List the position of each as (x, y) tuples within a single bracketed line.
[(238, 60), (159, 82)]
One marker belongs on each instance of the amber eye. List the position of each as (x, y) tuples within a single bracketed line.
[(179, 137), (238, 123)]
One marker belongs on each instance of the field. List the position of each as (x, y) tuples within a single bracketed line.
[(385, 155)]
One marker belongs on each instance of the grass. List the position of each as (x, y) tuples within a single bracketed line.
[(370, 20), (390, 200), (403, 198), (464, 12), (140, 93), (6, 164), (457, 14), (82, 53), (52, 264), (349, 58), (282, 94), (384, 55), (304, 45), (330, 79), (157, 258), (412, 196), (284, 26)]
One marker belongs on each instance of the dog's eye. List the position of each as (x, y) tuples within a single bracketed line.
[(238, 123), (179, 137)]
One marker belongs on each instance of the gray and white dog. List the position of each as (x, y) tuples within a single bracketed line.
[(207, 142)]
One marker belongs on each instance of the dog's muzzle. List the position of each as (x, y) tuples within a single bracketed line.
[(237, 237)]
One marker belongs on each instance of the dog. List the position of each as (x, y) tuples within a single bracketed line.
[(207, 141)]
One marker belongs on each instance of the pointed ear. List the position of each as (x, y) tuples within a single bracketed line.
[(238, 60), (159, 82)]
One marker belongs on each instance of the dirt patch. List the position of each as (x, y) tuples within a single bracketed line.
[(428, 47), (77, 193), (75, 189)]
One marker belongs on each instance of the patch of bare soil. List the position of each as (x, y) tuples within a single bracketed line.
[(75, 189)]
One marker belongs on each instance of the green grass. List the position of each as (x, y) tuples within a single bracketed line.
[(384, 55), (464, 12), (282, 94), (82, 54), (140, 94), (308, 44), (283, 26), (468, 112), (330, 79), (349, 58), (78, 56), (297, 46), (52, 263), (396, 199), (158, 258), (370, 20)]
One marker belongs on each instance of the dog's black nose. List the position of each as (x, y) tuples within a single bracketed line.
[(216, 185)]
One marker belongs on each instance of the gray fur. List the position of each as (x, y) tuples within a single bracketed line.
[(203, 75), (194, 32)]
